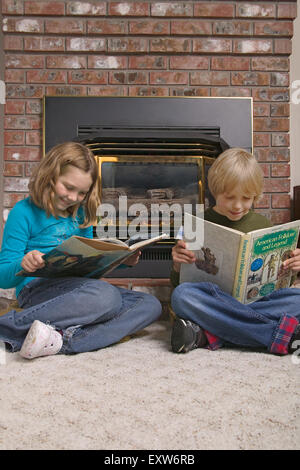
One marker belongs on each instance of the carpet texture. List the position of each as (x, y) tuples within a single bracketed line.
[(139, 395)]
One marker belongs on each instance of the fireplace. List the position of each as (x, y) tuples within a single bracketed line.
[(153, 156)]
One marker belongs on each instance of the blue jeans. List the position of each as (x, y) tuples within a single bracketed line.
[(91, 314), (259, 324)]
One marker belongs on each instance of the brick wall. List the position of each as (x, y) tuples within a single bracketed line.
[(148, 48)]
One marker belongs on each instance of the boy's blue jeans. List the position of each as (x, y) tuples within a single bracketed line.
[(268, 322), (92, 314)]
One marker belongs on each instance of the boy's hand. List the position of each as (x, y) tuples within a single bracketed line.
[(133, 259), (180, 255), (32, 261), (293, 263)]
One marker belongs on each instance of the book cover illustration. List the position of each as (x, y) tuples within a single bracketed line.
[(246, 266), (85, 257)]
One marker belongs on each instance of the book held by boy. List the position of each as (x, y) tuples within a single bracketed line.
[(88, 257), (247, 266)]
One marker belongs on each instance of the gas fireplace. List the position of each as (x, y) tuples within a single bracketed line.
[(153, 156)]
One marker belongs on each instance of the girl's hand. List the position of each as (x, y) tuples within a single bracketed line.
[(293, 263), (180, 255), (32, 261), (133, 259)]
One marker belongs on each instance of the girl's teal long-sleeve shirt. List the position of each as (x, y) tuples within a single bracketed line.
[(29, 228)]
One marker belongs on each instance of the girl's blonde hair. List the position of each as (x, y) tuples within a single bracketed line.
[(53, 165), (236, 167)]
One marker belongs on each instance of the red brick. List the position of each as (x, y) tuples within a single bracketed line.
[(14, 76), (271, 124), (107, 62), (25, 61), (265, 169), (250, 78), (233, 28), (280, 201), (280, 140), (86, 8), (89, 77), (149, 27), (44, 44), (272, 154), (189, 91), (210, 78), (128, 9), (189, 62), (276, 185), (261, 109), (66, 62), (13, 43), (131, 44), (46, 76), (33, 138), (24, 25), (271, 94), (280, 109), (273, 28), (12, 7), (148, 91), (280, 79), (170, 45), (16, 184), (167, 78), (172, 9), (65, 26), (261, 139), (285, 10), (191, 27), (129, 77), (24, 91), (44, 8), (22, 153), (247, 10), (215, 10), (148, 62), (86, 44), (106, 90), (280, 169), (253, 46), (212, 45), (13, 169), (263, 202), (230, 63), (107, 26), (10, 199), (22, 122), (65, 90), (270, 63), (283, 46), (30, 168), (14, 107), (281, 216), (33, 107), (230, 91)]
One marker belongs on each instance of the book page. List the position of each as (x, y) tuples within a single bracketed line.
[(216, 251)]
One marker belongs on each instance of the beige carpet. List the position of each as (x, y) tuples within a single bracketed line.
[(139, 395)]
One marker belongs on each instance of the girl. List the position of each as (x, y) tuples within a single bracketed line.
[(206, 314), (85, 314)]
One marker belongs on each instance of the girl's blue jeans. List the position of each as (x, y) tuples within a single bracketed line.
[(268, 322), (91, 314)]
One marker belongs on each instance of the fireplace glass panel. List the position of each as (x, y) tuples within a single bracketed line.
[(154, 183)]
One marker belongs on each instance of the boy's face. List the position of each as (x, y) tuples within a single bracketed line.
[(234, 204)]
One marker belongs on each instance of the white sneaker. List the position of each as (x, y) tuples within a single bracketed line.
[(41, 340)]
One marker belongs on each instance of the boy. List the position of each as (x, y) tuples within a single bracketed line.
[(207, 316)]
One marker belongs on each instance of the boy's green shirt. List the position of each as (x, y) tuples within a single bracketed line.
[(250, 221)]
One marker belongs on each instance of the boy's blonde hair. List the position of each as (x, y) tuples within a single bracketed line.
[(53, 165), (236, 167)]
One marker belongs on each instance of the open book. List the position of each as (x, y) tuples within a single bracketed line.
[(247, 266), (87, 257)]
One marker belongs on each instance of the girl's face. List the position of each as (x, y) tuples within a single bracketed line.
[(234, 204), (71, 188)]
